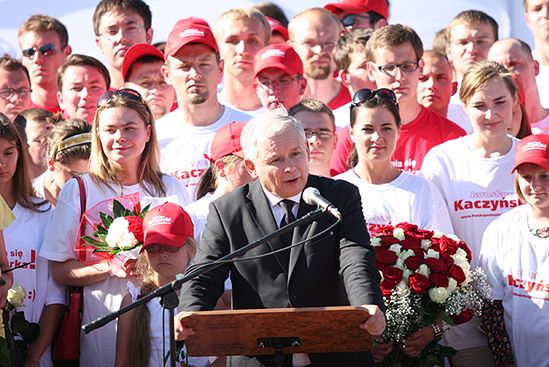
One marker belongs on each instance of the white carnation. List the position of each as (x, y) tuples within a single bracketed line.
[(17, 295), (424, 270), (406, 274), (437, 234), (406, 254), (403, 288), (453, 237), (400, 263), (375, 241), (425, 244), (398, 233), (433, 253), (396, 248), (119, 236), (452, 284), (439, 294)]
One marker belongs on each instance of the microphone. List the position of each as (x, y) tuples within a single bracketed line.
[(312, 196)]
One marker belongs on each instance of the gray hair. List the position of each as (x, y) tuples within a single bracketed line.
[(265, 126)]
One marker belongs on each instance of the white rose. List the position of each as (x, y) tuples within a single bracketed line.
[(406, 274), (462, 263), (433, 253), (396, 248), (403, 288), (460, 253), (452, 284), (375, 242), (406, 254), (119, 236), (437, 234), (398, 233), (425, 244), (17, 295), (424, 269), (453, 237), (400, 264), (439, 294)]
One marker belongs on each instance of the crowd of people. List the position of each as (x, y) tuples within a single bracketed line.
[(222, 127)]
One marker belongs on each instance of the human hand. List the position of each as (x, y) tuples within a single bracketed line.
[(375, 325), (381, 350), (181, 332), (8, 282), (414, 344)]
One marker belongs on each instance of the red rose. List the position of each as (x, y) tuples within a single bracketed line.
[(439, 279), (389, 240), (413, 262), (380, 231), (418, 252), (448, 245), (386, 257), (447, 259), (464, 316), (412, 230), (386, 287), (466, 248), (392, 274), (419, 283), (435, 264), (457, 273), (411, 243), (135, 226)]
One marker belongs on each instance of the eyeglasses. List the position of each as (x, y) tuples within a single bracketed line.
[(364, 95), (349, 20), (282, 82), (391, 69), (154, 249), (46, 50), (124, 92), (8, 93), (321, 133)]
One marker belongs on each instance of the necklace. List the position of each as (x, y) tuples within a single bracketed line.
[(540, 232)]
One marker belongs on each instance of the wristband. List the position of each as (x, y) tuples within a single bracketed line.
[(437, 330)]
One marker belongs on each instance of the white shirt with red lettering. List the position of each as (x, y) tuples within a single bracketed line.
[(408, 198), (517, 265), (24, 238), (183, 146), (476, 190)]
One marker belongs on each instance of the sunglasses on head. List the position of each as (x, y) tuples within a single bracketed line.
[(124, 93), (364, 95), (46, 50), (350, 19)]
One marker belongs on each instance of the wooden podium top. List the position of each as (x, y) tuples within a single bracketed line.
[(295, 330)]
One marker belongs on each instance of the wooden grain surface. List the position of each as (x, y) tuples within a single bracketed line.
[(235, 332)]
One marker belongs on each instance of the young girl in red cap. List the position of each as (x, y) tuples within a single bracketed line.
[(515, 256), (168, 248)]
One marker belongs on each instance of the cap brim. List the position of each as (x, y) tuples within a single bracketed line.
[(164, 239), (201, 40), (338, 8), (276, 65), (538, 161), (136, 52)]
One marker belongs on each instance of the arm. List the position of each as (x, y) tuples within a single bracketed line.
[(494, 326), (49, 323), (125, 322), (72, 272), (7, 277)]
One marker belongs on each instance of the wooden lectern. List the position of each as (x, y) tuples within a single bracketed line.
[(277, 331)]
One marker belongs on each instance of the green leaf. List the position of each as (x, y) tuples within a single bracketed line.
[(445, 317), (105, 219), (100, 230), (144, 211), (118, 209), (90, 241)]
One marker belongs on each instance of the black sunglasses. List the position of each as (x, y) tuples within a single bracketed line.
[(124, 92), (46, 50), (364, 95), (350, 19)]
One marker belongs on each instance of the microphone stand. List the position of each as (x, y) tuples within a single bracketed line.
[(168, 294)]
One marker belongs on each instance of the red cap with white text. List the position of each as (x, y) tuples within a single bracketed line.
[(189, 30), (278, 56), (167, 225), (533, 149), (277, 27), (359, 6), (137, 51)]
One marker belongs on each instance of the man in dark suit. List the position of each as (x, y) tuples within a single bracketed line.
[(336, 270)]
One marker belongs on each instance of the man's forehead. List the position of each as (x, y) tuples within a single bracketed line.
[(436, 63), (119, 16), (478, 29), (10, 78), (503, 50), (33, 39), (241, 26), (141, 69)]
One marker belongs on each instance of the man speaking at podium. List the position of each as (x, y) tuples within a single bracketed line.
[(336, 270)]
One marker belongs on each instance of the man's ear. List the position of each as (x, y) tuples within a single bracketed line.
[(150, 33), (165, 70), (67, 50), (302, 86), (454, 87), (250, 167), (220, 168), (344, 77)]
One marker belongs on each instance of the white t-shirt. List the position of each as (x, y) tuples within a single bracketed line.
[(97, 348), (541, 126), (24, 238), (408, 198), (457, 114), (183, 146), (199, 214), (517, 265), (38, 184), (342, 116), (542, 80), (476, 190)]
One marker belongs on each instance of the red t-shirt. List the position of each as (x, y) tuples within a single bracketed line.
[(52, 109), (342, 98), (429, 129)]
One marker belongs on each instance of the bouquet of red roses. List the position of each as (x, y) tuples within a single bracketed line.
[(425, 276)]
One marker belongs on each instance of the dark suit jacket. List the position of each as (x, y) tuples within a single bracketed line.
[(339, 269)]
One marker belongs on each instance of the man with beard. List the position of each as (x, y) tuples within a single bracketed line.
[(313, 34), (118, 25), (240, 33), (194, 68), (44, 44), (141, 71)]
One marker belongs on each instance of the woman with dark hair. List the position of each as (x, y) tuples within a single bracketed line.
[(389, 195), (123, 161), (24, 238)]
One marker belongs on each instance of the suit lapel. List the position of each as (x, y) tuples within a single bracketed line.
[(261, 212)]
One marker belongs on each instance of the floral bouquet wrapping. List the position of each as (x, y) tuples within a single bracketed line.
[(113, 230), (425, 276)]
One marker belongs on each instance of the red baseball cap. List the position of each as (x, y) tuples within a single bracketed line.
[(227, 141), (135, 52), (278, 56), (168, 225), (359, 6), (277, 27), (189, 30), (533, 149)]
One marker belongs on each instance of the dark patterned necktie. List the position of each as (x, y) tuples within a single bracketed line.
[(286, 238)]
